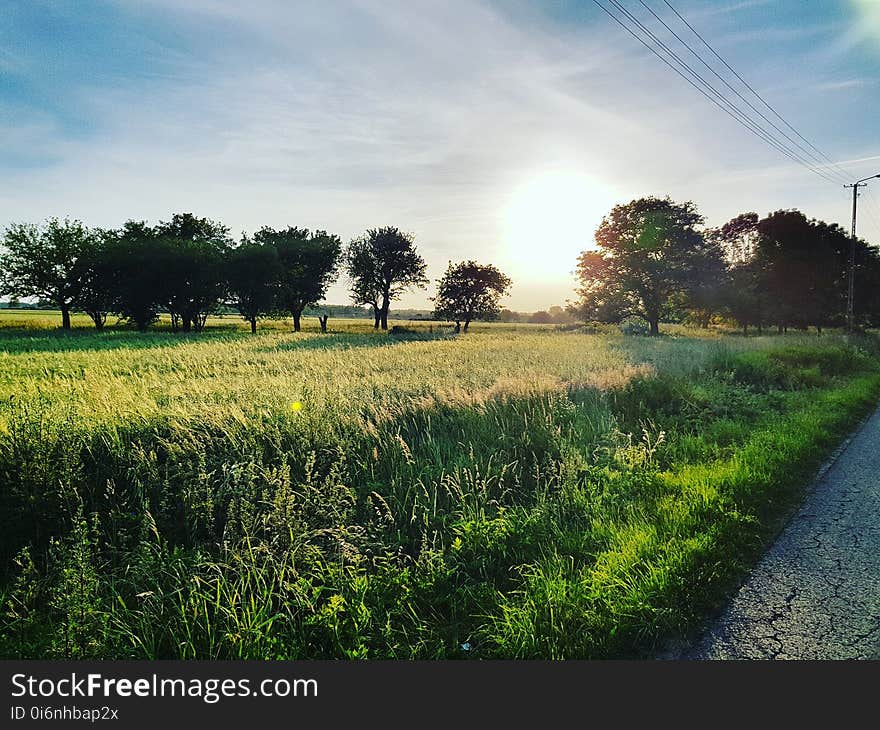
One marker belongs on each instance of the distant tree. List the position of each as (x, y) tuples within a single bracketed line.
[(308, 264), (739, 237), (507, 315), (97, 294), (469, 291), (703, 297), (799, 271), (558, 315), (360, 267), (648, 252), (139, 279), (866, 302), (542, 316), (253, 273), (42, 261), (191, 250), (382, 265)]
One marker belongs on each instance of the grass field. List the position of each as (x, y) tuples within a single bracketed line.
[(515, 492)]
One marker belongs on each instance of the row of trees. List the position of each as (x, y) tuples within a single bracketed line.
[(190, 266), (655, 261)]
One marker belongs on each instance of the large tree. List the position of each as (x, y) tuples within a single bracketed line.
[(97, 294), (253, 273), (308, 264), (43, 261), (383, 264), (470, 291), (800, 269), (704, 294), (192, 251), (649, 251), (138, 275)]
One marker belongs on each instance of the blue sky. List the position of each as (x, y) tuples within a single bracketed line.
[(501, 131)]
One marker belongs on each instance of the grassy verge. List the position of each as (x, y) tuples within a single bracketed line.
[(569, 519)]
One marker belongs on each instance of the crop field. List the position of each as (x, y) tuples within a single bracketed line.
[(516, 492)]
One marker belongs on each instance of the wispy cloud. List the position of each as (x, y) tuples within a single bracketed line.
[(357, 113)]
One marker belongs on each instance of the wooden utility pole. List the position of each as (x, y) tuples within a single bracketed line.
[(850, 318)]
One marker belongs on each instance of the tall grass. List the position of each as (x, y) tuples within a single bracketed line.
[(512, 493)]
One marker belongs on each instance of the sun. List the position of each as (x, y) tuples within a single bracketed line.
[(549, 219)]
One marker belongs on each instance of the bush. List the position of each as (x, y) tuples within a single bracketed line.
[(635, 327)]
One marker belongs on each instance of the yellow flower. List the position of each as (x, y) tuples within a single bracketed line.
[(296, 406)]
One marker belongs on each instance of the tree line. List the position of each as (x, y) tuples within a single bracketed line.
[(190, 267), (653, 260)]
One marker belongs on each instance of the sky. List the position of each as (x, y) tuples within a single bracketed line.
[(495, 130)]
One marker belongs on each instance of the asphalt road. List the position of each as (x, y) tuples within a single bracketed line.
[(816, 593)]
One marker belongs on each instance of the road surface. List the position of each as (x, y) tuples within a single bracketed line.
[(816, 593)]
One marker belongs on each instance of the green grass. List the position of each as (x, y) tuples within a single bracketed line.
[(521, 492)]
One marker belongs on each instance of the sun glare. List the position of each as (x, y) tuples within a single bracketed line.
[(550, 219)]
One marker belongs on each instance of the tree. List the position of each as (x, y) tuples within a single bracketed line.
[(253, 273), (800, 270), (308, 264), (542, 316), (739, 237), (648, 251), (704, 294), (95, 273), (138, 276), (382, 265), (469, 291), (192, 252), (42, 261)]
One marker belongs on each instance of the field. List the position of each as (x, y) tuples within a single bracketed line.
[(518, 491)]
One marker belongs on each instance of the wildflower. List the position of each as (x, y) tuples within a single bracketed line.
[(296, 406)]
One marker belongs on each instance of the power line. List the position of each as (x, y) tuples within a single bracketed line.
[(812, 156), (873, 209), (757, 95), (724, 104), (740, 116)]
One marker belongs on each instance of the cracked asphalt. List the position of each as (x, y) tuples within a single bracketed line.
[(816, 593)]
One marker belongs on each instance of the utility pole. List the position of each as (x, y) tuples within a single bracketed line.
[(850, 319)]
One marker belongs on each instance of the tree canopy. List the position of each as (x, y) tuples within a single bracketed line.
[(381, 265), (44, 261), (649, 251), (308, 264), (470, 291), (253, 275)]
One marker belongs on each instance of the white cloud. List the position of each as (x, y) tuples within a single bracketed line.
[(348, 115)]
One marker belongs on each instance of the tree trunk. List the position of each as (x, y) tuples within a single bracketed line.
[(296, 320), (745, 328), (65, 316), (323, 321), (779, 329), (98, 318), (377, 319), (466, 324), (818, 330), (386, 305), (253, 322), (457, 327), (655, 326), (186, 323)]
